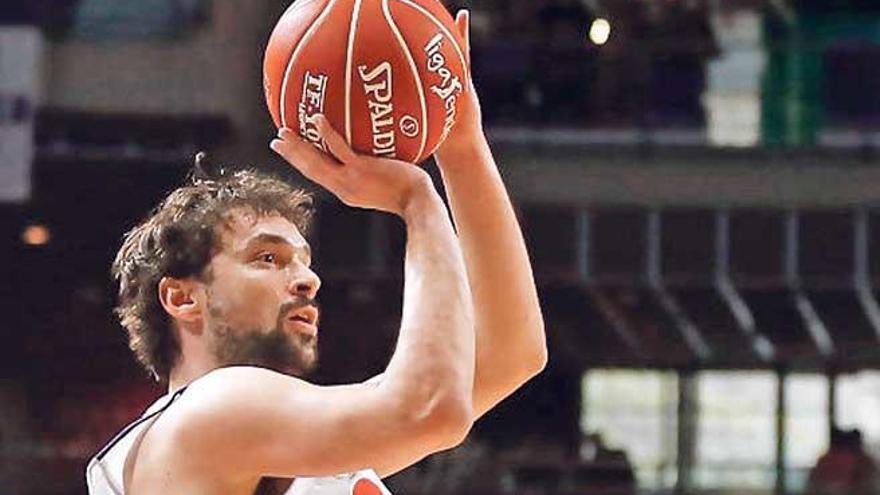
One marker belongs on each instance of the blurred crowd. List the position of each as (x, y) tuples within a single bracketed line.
[(534, 465)]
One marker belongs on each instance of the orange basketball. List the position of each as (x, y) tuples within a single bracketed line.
[(388, 74)]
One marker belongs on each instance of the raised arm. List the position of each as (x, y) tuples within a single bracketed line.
[(268, 424), (511, 345)]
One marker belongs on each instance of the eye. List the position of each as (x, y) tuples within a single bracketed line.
[(267, 257)]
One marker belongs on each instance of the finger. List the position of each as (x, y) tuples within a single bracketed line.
[(304, 157), (291, 155), (301, 154), (336, 144), (463, 23), (291, 142), (287, 133)]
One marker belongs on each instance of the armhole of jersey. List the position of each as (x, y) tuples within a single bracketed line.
[(108, 481), (122, 434)]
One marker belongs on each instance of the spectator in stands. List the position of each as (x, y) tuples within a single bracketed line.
[(603, 468), (846, 469)]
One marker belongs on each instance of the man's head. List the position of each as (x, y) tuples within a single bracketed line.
[(220, 270)]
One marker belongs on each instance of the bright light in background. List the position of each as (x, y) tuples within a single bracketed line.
[(635, 411), (736, 427), (36, 235), (600, 31), (858, 404)]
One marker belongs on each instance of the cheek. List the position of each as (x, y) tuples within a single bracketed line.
[(246, 299)]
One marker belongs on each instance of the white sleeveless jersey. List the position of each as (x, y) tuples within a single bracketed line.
[(105, 470)]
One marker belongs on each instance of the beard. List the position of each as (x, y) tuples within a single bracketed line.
[(275, 348)]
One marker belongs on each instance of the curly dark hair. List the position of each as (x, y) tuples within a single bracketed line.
[(178, 240)]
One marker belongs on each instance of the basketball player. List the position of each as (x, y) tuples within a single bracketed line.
[(217, 296)]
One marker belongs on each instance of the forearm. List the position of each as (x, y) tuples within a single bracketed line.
[(511, 345), (433, 363)]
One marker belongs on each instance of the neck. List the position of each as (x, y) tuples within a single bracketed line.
[(187, 370), (180, 378), (194, 361)]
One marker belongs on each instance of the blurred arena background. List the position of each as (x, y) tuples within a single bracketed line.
[(697, 180)]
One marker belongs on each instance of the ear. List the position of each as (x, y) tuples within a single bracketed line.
[(181, 299)]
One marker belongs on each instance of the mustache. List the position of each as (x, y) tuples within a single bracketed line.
[(298, 303)]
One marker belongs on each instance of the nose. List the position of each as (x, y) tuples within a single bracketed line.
[(304, 282)]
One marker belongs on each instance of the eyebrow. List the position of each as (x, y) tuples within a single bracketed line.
[(266, 238)]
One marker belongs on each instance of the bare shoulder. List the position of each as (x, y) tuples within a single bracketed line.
[(223, 401), (232, 389), (170, 455), (258, 420), (173, 449), (269, 424)]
